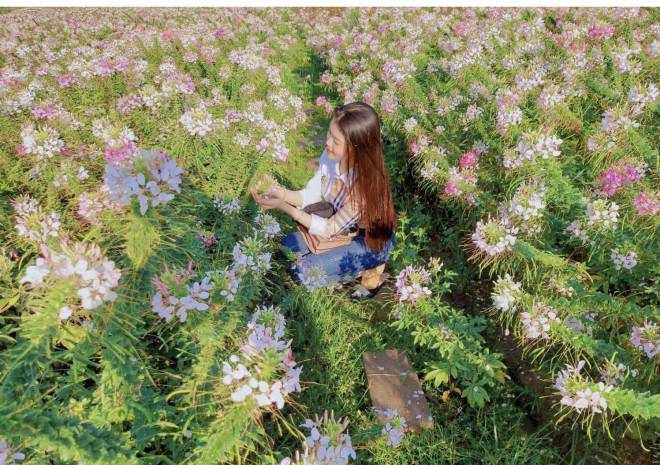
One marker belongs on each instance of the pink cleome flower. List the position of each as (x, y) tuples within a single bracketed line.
[(602, 32), (647, 204), (469, 159)]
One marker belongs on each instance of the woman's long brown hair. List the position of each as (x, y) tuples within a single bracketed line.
[(360, 126)]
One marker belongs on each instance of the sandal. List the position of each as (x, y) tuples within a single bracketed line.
[(362, 293)]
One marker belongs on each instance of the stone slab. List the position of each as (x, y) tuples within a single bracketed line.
[(393, 384)]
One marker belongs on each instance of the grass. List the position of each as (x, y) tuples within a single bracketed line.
[(330, 334)]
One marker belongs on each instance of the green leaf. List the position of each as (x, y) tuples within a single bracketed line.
[(142, 238)]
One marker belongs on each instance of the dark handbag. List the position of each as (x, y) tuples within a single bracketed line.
[(317, 244), (324, 209)]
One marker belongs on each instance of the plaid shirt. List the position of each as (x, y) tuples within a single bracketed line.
[(327, 184)]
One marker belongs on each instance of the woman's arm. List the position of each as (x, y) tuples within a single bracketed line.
[(309, 194), (297, 214), (291, 197)]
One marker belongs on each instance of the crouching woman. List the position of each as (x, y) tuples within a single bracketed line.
[(356, 232)]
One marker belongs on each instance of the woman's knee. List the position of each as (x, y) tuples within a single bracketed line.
[(291, 241)]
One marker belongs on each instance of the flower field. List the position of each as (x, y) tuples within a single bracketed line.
[(146, 312)]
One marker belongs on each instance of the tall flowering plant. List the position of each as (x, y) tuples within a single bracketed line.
[(152, 178), (178, 294), (82, 268), (439, 330), (264, 371)]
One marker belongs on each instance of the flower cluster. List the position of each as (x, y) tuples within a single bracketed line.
[(647, 204), (647, 338), (602, 214), (227, 207), (396, 72), (395, 426), (68, 170), (264, 371), (551, 96), (152, 177), (508, 112), (311, 276), (494, 236), (273, 136), (249, 58), (44, 143), (601, 32), (411, 284), (429, 169), (538, 320), (389, 103), (267, 225), (614, 374), (128, 103), (32, 222), (227, 280), (618, 176), (249, 255), (580, 393), (560, 285), (616, 120), (409, 125), (526, 207), (575, 229), (643, 97), (176, 296), (462, 181), (469, 159), (173, 81), (472, 112), (198, 121), (627, 261), (322, 101), (81, 265), (328, 443), (120, 146), (531, 147), (208, 240), (274, 142), (505, 293), (418, 145), (92, 204)]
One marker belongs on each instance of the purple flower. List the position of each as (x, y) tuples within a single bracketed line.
[(452, 189), (411, 284), (647, 204), (602, 32), (469, 159), (66, 80), (647, 338)]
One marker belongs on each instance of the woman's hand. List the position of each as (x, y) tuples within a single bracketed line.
[(266, 202), (275, 192), (269, 187)]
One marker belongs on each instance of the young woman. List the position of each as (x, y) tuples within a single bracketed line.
[(353, 178)]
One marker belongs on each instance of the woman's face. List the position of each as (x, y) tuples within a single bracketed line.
[(335, 143)]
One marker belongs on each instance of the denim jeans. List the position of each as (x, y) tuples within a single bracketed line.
[(336, 264)]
